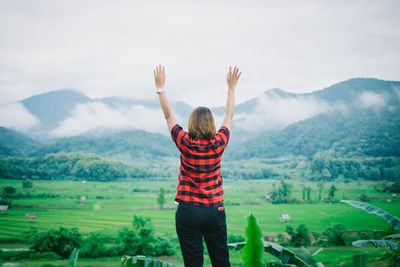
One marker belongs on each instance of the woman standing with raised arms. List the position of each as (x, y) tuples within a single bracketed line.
[(201, 212)]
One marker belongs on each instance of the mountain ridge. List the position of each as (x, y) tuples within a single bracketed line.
[(328, 127)]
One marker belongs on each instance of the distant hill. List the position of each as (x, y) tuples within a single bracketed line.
[(347, 91), (367, 133), (124, 146), (357, 117), (53, 107), (13, 144)]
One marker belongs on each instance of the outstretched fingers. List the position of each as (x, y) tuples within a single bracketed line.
[(159, 71), (236, 71)]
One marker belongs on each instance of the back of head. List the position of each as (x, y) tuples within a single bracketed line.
[(201, 124)]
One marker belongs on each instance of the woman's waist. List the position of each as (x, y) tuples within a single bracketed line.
[(201, 182), (219, 205), (205, 174)]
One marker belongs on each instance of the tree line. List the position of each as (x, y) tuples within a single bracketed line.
[(74, 166), (65, 166), (375, 169)]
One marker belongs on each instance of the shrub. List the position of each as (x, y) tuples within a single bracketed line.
[(48, 195), (15, 255), (127, 240), (282, 194), (300, 237), (161, 197), (9, 190), (381, 187), (364, 198), (163, 247), (331, 193), (93, 246), (235, 238), (395, 187), (6, 202), (27, 184), (335, 235), (61, 241), (142, 240), (44, 255)]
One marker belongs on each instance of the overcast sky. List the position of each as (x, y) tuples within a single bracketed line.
[(105, 48)]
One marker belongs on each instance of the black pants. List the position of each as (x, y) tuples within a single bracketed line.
[(192, 224)]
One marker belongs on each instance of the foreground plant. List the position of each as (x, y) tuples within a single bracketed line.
[(254, 246), (391, 241), (386, 241), (73, 258), (142, 261), (393, 220)]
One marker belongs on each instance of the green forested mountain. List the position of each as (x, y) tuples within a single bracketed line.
[(360, 125), (124, 146), (51, 108), (346, 92), (349, 91), (367, 133), (13, 144)]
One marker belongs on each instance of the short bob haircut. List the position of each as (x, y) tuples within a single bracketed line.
[(201, 124)]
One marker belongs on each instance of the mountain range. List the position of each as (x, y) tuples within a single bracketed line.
[(357, 117)]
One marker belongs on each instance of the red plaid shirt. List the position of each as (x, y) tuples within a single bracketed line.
[(200, 181)]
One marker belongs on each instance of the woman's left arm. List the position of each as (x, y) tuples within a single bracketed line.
[(159, 78)]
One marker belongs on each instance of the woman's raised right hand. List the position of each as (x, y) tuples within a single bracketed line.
[(232, 77), (159, 76)]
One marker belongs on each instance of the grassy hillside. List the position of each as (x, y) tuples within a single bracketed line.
[(13, 144)]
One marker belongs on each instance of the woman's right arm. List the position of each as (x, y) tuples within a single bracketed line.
[(231, 79), (159, 79)]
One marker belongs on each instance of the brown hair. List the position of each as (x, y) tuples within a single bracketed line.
[(201, 124)]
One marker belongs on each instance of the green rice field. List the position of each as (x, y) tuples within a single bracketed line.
[(111, 206)]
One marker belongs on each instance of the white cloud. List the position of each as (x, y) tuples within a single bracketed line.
[(108, 48), (274, 112), (95, 115), (14, 115), (371, 100)]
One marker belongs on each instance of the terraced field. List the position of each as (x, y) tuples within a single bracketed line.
[(110, 206)]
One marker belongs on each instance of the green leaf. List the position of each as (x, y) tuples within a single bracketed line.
[(73, 258), (395, 236), (287, 256), (393, 220), (253, 249), (129, 261), (304, 255), (236, 246), (376, 243), (302, 258), (142, 261)]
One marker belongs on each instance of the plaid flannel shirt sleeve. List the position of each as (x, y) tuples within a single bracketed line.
[(223, 136), (179, 136)]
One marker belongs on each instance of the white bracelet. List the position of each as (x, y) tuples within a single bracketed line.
[(160, 90)]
